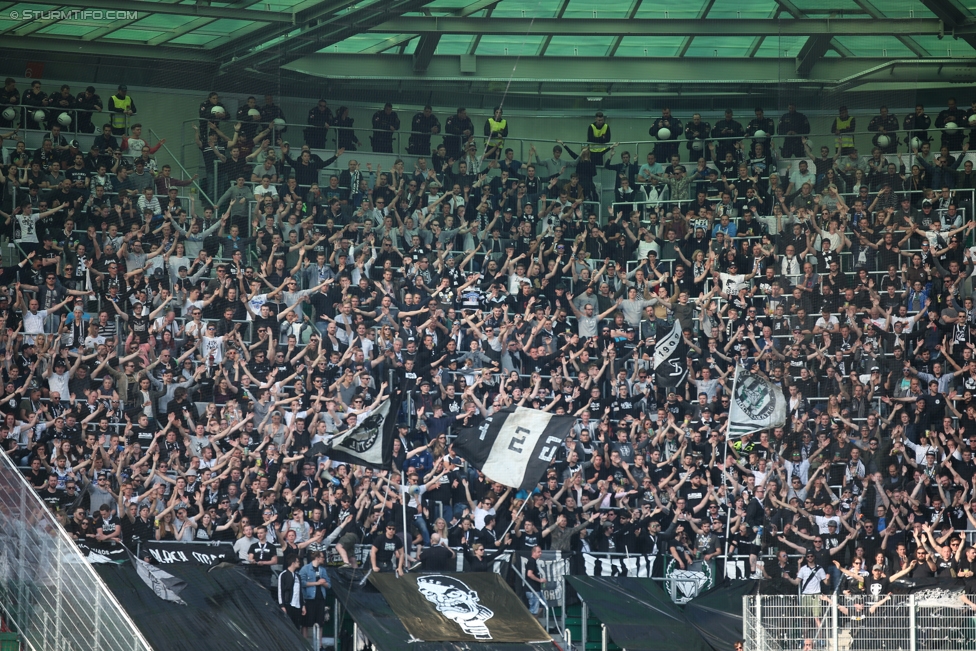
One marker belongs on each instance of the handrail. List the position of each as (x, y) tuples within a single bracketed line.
[(183, 170), (638, 145)]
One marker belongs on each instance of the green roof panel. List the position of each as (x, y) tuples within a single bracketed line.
[(719, 46), (517, 9), (129, 34), (493, 45), (737, 10), (638, 46), (193, 38), (583, 46), (454, 44), (603, 9)]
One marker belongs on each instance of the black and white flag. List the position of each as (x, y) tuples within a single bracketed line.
[(165, 585), (757, 404), (515, 445), (671, 359), (370, 443)]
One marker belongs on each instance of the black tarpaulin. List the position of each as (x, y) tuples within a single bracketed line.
[(638, 614), (225, 610), (717, 613), (472, 606), (376, 620)]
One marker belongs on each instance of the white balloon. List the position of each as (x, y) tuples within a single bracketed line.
[(951, 128), (663, 134), (64, 119), (883, 141)]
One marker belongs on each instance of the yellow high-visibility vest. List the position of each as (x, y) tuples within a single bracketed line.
[(844, 140), (598, 133), (119, 120), (496, 127)]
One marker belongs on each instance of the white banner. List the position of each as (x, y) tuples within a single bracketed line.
[(637, 565), (757, 404)]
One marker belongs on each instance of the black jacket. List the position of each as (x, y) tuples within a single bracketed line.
[(286, 586)]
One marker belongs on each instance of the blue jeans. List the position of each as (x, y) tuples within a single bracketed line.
[(422, 525), (536, 602)]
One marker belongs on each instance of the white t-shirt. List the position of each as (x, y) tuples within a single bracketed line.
[(830, 323), (213, 346), (34, 323), (256, 303), (731, 283), (260, 191), (59, 382), (24, 229)]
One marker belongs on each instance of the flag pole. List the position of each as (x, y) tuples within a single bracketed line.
[(725, 461), (403, 502), (515, 517)]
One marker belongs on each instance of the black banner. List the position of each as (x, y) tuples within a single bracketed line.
[(199, 553), (469, 607), (671, 359)]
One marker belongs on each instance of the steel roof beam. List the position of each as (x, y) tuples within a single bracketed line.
[(648, 27)]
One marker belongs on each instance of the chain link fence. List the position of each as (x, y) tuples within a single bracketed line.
[(48, 590)]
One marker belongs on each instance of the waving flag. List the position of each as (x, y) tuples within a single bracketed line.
[(515, 445)]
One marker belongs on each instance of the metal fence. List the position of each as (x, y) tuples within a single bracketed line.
[(936, 618), (48, 590)]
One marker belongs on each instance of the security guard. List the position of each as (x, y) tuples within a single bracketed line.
[(121, 106), (496, 129), (917, 125), (843, 128), (957, 116), (884, 124), (598, 135), (665, 149)]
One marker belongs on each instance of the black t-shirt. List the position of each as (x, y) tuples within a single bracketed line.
[(140, 328), (386, 548), (532, 566), (262, 552), (142, 436), (876, 589), (109, 525)]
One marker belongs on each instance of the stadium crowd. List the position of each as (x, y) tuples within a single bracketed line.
[(171, 370)]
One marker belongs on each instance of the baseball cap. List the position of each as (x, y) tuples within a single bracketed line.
[(878, 568)]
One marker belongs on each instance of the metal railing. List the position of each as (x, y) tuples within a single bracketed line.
[(521, 146), (934, 618), (47, 588)]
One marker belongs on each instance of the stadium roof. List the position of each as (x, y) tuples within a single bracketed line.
[(536, 46)]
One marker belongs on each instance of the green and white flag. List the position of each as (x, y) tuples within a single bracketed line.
[(756, 404)]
